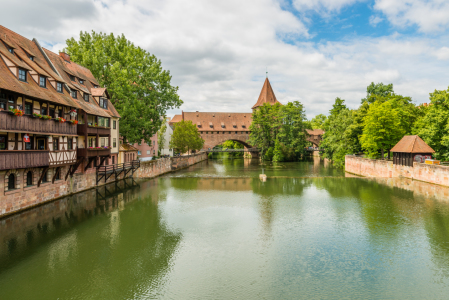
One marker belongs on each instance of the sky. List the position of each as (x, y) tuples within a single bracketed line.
[(218, 52)]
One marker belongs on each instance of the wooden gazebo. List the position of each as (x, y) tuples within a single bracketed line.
[(411, 148)]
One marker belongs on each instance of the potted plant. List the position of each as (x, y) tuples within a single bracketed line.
[(36, 115), (73, 122), (16, 112), (73, 113), (60, 120)]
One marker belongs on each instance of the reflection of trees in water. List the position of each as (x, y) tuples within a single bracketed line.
[(436, 222)]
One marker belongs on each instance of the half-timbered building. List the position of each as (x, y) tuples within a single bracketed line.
[(55, 119)]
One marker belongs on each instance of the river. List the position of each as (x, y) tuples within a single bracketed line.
[(215, 231)]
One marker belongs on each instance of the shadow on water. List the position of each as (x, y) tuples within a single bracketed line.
[(107, 251)]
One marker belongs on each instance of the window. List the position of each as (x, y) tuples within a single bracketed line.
[(31, 57), (11, 102), (22, 75), (69, 143), (11, 182), (114, 144), (51, 112), (3, 101), (73, 93), (58, 174), (102, 140), (113, 159), (44, 178), (114, 123), (3, 139), (81, 81), (139, 153), (103, 103), (29, 178), (42, 81), (107, 123), (154, 152), (154, 143), (56, 144), (11, 50), (28, 146), (41, 144), (72, 78), (43, 110), (59, 87), (86, 97), (148, 152), (28, 108)]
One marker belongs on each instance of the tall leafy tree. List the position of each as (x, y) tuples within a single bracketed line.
[(264, 126), (378, 89), (433, 124), (186, 137), (140, 89), (318, 121), (382, 128)]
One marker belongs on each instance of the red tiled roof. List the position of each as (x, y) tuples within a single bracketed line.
[(219, 121), (175, 119), (315, 131), (412, 144), (98, 92), (266, 95), (127, 148)]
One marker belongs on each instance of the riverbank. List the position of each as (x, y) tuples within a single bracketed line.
[(386, 169), (25, 197)]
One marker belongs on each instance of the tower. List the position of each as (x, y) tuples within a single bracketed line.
[(266, 95)]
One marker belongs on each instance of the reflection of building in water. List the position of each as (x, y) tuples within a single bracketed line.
[(54, 219)]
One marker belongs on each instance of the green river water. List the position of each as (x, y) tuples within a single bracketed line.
[(215, 231)]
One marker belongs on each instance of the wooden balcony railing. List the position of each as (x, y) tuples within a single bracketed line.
[(88, 152), (29, 124), (20, 159), (90, 130)]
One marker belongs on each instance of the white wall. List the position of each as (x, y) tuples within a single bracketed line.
[(168, 134)]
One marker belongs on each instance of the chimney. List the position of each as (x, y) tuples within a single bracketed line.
[(64, 56)]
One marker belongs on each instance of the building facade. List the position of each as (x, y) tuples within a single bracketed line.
[(55, 120)]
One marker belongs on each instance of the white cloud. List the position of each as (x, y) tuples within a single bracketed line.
[(374, 20), (428, 15), (322, 6), (217, 52)]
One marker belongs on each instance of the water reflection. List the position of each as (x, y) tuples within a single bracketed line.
[(216, 231)]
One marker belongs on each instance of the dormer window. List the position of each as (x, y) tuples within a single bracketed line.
[(11, 50), (104, 103), (72, 78), (59, 87), (31, 57), (86, 97), (42, 81), (73, 94), (22, 75), (81, 81)]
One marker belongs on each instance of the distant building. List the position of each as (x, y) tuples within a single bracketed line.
[(166, 150), (146, 151)]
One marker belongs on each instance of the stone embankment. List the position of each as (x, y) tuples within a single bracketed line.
[(386, 169), (26, 197)]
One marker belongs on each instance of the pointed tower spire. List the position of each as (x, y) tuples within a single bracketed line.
[(266, 95)]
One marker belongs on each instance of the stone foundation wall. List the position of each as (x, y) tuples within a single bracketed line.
[(22, 197), (386, 169)]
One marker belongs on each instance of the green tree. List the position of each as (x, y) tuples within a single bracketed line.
[(318, 121), (338, 106), (382, 128), (139, 88), (161, 136), (433, 124), (264, 126), (378, 89), (186, 137), (278, 154), (336, 140)]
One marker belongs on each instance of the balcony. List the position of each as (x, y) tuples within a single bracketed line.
[(29, 124), (91, 130), (91, 152), (21, 159)]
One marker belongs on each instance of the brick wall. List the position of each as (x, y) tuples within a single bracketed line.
[(386, 169), (23, 197)]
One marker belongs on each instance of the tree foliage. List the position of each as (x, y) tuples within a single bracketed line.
[(382, 128), (186, 137), (161, 136), (139, 88), (433, 124), (318, 121), (279, 131)]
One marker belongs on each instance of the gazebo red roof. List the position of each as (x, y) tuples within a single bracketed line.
[(412, 144)]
